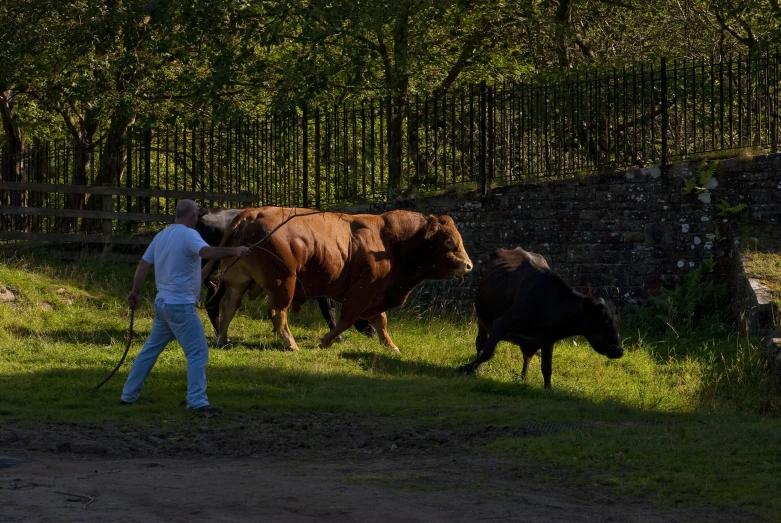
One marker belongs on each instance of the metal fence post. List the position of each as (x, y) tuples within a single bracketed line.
[(108, 224), (317, 158), (663, 73), (483, 152), (148, 167), (774, 105), (305, 156)]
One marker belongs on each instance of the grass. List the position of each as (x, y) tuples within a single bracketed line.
[(683, 417), (741, 153), (765, 267)]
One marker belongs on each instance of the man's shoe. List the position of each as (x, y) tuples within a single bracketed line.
[(123, 402), (208, 410)]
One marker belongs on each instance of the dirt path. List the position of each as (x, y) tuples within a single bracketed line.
[(69, 473), (56, 489)]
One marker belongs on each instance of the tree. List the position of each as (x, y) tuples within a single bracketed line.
[(342, 49)]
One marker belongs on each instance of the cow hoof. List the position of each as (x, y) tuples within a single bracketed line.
[(339, 339), (469, 368), (394, 350)]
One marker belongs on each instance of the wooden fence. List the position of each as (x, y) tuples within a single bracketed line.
[(109, 224)]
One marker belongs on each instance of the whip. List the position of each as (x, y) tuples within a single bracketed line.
[(124, 355)]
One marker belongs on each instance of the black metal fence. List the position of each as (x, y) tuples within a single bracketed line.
[(648, 115)]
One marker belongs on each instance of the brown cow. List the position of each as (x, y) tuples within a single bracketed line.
[(369, 263)]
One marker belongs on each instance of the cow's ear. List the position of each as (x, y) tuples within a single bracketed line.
[(432, 226), (444, 219)]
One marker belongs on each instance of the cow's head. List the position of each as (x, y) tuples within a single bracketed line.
[(448, 256), (600, 327)]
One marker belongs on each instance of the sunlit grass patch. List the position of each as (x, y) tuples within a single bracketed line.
[(765, 267)]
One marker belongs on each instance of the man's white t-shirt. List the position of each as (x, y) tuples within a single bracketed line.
[(174, 253)]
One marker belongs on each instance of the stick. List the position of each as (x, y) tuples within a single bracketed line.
[(80, 496), (122, 360)]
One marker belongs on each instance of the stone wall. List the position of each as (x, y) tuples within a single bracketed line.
[(624, 234)]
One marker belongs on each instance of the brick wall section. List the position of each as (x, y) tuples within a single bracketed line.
[(623, 234)]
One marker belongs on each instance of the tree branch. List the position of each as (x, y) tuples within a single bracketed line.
[(749, 41), (383, 50)]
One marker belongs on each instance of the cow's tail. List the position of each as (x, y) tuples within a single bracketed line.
[(227, 235)]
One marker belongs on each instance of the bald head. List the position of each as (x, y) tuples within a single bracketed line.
[(185, 208), (186, 213)]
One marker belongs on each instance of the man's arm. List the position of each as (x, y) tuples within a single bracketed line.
[(138, 281), (218, 253)]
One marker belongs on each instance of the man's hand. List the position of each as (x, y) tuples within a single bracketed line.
[(132, 299), (138, 281), (241, 251)]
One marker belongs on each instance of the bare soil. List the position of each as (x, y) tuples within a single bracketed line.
[(301, 468)]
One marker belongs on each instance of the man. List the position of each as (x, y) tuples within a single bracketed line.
[(176, 253)]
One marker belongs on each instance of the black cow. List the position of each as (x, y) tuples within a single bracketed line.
[(521, 300), (211, 225)]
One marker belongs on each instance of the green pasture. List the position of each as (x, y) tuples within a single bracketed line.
[(688, 415)]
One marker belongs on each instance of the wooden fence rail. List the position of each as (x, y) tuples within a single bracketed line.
[(106, 216)]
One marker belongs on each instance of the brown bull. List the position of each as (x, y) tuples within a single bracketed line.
[(369, 263)]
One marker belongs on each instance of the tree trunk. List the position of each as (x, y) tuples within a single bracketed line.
[(113, 162), (414, 117), (563, 20), (395, 144), (397, 78), (37, 172), (82, 163), (83, 132), (13, 168)]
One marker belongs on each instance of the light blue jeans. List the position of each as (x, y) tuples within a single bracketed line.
[(180, 321)]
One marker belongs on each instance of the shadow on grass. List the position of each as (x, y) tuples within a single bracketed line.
[(386, 363), (402, 388), (296, 409), (392, 365), (81, 337)]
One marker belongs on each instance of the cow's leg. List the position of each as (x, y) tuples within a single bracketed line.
[(380, 324), (364, 327), (346, 320), (486, 352), (342, 325), (228, 305), (353, 305), (482, 337), (254, 292), (214, 295), (527, 357), (279, 318), (327, 310), (547, 364), (280, 299)]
